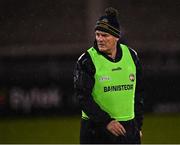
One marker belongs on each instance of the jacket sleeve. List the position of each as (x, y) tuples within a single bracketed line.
[(139, 92), (83, 84)]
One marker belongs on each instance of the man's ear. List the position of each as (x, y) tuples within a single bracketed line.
[(117, 39)]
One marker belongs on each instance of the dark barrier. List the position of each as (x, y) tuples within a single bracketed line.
[(37, 85), (162, 89), (44, 85)]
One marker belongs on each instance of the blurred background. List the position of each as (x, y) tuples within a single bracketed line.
[(40, 41)]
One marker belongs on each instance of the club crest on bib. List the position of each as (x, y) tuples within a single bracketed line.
[(132, 77)]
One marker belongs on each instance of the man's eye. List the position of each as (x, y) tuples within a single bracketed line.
[(97, 35), (104, 35)]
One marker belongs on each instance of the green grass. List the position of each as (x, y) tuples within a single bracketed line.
[(161, 129), (40, 130), (156, 129)]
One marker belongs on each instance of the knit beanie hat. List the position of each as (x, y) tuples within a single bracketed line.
[(109, 22)]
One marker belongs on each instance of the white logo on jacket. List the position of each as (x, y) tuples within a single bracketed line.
[(104, 78)]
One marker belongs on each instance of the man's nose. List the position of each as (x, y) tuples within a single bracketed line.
[(100, 38)]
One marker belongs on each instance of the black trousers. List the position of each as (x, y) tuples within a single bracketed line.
[(91, 133)]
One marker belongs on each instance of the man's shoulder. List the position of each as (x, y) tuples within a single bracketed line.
[(84, 58), (133, 52), (130, 49), (85, 63), (134, 55)]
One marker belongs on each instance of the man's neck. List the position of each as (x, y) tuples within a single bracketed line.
[(112, 54)]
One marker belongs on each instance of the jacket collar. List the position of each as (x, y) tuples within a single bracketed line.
[(118, 53)]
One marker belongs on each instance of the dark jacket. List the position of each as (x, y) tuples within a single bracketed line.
[(84, 81)]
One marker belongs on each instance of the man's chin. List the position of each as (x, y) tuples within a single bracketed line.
[(101, 48)]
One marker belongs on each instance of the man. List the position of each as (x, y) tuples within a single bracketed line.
[(107, 80)]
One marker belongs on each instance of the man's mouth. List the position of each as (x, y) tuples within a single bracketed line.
[(101, 45)]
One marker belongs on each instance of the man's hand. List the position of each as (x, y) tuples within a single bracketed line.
[(140, 132), (116, 128)]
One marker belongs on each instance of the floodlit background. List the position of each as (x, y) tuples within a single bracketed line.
[(40, 41)]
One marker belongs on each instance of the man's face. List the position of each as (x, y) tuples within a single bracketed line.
[(105, 41)]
